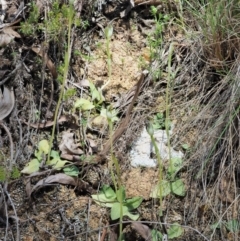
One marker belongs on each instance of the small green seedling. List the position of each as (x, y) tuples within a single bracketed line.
[(159, 121), (110, 114), (174, 231), (56, 161), (232, 226), (96, 94), (71, 171), (40, 155), (185, 147), (83, 104), (34, 164), (171, 185), (69, 93), (97, 98), (108, 198)]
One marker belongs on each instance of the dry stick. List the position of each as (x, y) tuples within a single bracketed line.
[(6, 213), (11, 142), (2, 82), (15, 212), (103, 234), (124, 124)]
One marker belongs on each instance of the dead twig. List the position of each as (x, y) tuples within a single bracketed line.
[(11, 142), (124, 124)]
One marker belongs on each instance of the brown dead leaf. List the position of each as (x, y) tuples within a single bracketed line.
[(7, 35), (78, 7), (12, 10), (69, 157), (40, 5), (58, 178), (48, 61), (92, 145), (62, 179), (68, 145), (5, 39), (143, 230), (62, 119), (11, 32)]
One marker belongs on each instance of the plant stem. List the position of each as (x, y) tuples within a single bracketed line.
[(160, 174), (168, 104), (65, 74), (117, 184)]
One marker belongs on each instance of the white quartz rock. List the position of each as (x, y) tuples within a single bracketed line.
[(140, 153)]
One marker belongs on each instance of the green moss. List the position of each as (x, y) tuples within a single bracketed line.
[(15, 173), (3, 175)]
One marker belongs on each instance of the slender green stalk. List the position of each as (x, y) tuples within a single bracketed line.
[(150, 131), (108, 34), (66, 67), (160, 173), (117, 184), (168, 103)]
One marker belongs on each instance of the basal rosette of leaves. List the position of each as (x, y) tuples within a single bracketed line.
[(107, 197)]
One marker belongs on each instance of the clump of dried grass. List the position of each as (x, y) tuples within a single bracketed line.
[(213, 89)]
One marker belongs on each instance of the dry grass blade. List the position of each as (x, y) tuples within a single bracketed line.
[(61, 120), (47, 60), (7, 101)]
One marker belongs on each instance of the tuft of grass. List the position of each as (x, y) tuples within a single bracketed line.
[(218, 23)]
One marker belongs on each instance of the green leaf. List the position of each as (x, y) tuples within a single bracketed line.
[(96, 94), (175, 165), (43, 146), (71, 171), (160, 116), (156, 126), (175, 231), (133, 203), (109, 114), (83, 104), (115, 211), (164, 187), (150, 129), (178, 187), (121, 194), (132, 216), (31, 167), (54, 154), (38, 155), (108, 31), (216, 225), (156, 235), (233, 225), (57, 163), (106, 197), (109, 193), (185, 147)]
